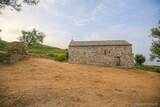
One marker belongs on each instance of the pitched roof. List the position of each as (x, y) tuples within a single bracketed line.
[(99, 43)]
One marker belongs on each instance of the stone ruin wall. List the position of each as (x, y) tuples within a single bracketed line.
[(16, 51), (102, 55)]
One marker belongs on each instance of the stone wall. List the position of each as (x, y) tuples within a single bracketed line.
[(17, 48), (3, 56), (16, 52), (102, 55)]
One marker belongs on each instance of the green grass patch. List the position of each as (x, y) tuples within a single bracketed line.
[(61, 58), (48, 51), (148, 68), (3, 45)]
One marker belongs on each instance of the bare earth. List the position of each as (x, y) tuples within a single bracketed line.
[(47, 83)]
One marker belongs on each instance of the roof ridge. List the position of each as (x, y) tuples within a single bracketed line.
[(99, 40), (99, 43)]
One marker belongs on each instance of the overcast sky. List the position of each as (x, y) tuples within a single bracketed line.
[(61, 20)]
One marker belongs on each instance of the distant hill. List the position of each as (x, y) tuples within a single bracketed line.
[(44, 50)]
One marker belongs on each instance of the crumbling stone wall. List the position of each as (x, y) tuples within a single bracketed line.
[(102, 55), (17, 48), (3, 56), (16, 51)]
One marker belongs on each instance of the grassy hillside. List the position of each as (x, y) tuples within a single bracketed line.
[(3, 45), (48, 51), (44, 50)]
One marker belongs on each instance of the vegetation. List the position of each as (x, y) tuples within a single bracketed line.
[(42, 51), (32, 38), (155, 55), (3, 45), (148, 68), (140, 59), (48, 51), (15, 5), (155, 47)]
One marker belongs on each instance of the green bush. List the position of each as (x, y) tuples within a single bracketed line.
[(52, 55), (140, 59), (61, 58)]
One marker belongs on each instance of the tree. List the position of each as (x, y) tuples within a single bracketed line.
[(140, 59), (15, 5), (32, 38), (155, 47), (0, 36)]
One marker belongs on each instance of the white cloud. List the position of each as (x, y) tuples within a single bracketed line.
[(95, 14), (102, 8), (58, 40), (80, 22), (156, 9), (126, 31)]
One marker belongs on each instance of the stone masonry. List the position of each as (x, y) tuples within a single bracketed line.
[(16, 51), (104, 53)]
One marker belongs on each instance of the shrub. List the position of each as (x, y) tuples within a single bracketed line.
[(51, 55), (140, 59), (61, 58)]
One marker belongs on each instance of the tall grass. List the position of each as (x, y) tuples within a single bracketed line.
[(148, 68)]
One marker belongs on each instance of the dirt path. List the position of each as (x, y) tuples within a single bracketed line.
[(46, 83)]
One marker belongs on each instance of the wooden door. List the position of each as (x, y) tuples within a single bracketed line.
[(118, 61)]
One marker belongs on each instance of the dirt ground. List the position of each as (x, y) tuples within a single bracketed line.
[(47, 83)]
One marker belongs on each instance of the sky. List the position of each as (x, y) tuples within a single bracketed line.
[(86, 20)]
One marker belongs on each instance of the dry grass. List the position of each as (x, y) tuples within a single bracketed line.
[(46, 83)]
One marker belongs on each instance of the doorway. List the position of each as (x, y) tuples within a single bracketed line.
[(118, 61)]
